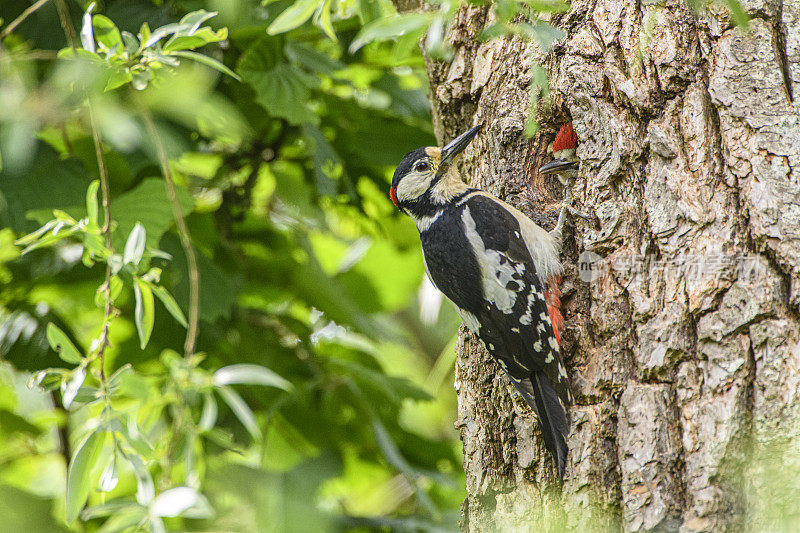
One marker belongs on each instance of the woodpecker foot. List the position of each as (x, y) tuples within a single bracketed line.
[(566, 210), (575, 212)]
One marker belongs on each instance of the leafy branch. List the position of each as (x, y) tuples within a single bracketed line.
[(133, 60)]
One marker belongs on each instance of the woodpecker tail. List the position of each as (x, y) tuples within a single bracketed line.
[(553, 418), (552, 414)]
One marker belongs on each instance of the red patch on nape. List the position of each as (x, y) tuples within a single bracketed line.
[(393, 195), (552, 297), (565, 139)]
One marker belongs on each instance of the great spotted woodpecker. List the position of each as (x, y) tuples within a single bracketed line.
[(501, 272)]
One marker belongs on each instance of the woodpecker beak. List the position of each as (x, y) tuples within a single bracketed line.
[(457, 145), (558, 165)]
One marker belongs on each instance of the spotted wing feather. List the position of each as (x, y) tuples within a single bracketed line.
[(526, 328)]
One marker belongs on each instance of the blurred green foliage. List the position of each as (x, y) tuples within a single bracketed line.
[(316, 397)]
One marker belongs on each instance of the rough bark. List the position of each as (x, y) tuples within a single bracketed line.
[(683, 349)]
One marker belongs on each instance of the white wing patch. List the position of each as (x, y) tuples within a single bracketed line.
[(496, 273)]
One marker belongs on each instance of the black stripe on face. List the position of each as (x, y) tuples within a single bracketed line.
[(406, 164)]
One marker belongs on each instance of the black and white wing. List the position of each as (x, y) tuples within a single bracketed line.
[(514, 322)]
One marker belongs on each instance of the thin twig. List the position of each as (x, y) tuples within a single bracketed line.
[(69, 31), (20, 19), (33, 55), (101, 165), (183, 232)]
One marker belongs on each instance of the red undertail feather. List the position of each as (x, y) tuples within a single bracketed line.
[(552, 297), (565, 139)]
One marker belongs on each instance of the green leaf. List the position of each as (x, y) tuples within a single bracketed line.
[(110, 476), (48, 379), (144, 315), (312, 59), (107, 509), (107, 33), (282, 89), (144, 34), (548, 6), (62, 345), (117, 77), (207, 61), (194, 19), (390, 28), (188, 25), (218, 289), (52, 182), (293, 17), (116, 286), (87, 35), (181, 501), (200, 38), (326, 161), (322, 18), (130, 431), (11, 423), (57, 234), (740, 16), (145, 489), (26, 511), (250, 375), (208, 417), (36, 235), (388, 446), (369, 10), (124, 520), (134, 246), (163, 31), (78, 476), (91, 201), (70, 388), (542, 32), (170, 303), (241, 410), (115, 381), (149, 205), (131, 43)]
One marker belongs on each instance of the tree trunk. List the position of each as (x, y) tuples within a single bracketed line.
[(683, 345)]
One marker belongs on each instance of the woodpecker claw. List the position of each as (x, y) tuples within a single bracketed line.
[(567, 206), (567, 209)]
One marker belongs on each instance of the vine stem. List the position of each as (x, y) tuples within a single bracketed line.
[(106, 288), (69, 31), (183, 232)]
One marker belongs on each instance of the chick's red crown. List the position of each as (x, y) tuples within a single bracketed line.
[(565, 139)]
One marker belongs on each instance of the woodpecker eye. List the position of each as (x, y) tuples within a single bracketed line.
[(422, 166)]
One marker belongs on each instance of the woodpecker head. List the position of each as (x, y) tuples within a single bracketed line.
[(418, 179), (565, 160)]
